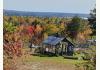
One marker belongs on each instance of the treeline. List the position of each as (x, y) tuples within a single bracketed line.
[(75, 28)]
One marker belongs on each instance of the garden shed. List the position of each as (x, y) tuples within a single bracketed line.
[(57, 45)]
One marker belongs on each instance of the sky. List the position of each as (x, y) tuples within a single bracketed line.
[(64, 6)]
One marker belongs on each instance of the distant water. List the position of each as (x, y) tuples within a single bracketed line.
[(42, 14)]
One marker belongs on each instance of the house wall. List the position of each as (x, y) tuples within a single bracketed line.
[(62, 48)]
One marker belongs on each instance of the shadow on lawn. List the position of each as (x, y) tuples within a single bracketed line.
[(47, 54)]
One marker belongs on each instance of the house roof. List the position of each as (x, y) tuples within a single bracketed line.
[(52, 40)]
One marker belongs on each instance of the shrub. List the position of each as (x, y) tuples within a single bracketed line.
[(70, 57)]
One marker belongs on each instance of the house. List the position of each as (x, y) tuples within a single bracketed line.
[(57, 45)]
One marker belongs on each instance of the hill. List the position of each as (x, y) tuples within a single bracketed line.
[(42, 14)]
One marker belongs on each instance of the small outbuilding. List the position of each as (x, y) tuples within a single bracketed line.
[(58, 46)]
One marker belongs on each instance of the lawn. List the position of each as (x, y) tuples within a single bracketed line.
[(47, 63), (33, 62), (59, 59)]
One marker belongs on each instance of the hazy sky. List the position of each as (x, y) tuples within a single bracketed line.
[(67, 6)]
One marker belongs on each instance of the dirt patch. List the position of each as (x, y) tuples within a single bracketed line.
[(46, 65)]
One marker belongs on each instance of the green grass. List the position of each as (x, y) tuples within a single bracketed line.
[(54, 59), (59, 59)]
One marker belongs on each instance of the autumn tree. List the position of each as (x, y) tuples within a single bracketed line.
[(73, 27), (84, 31), (9, 27), (92, 20), (79, 29), (51, 29)]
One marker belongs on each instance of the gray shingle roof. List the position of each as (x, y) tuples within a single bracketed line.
[(51, 40)]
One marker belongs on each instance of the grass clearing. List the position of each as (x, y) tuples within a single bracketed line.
[(32, 62), (58, 59)]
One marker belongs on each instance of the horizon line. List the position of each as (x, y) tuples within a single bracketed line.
[(42, 11)]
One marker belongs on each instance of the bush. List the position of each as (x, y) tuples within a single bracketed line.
[(86, 56), (70, 57)]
